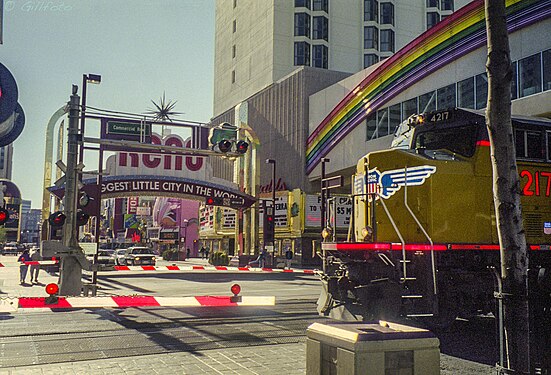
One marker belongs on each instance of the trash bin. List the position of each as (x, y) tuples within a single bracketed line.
[(371, 349)]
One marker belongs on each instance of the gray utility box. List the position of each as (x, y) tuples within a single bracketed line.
[(371, 349)]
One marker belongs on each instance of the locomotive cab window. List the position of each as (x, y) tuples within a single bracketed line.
[(459, 140), (529, 145)]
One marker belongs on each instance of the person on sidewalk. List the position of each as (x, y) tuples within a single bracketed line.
[(262, 258), (288, 258), (35, 268), (23, 267)]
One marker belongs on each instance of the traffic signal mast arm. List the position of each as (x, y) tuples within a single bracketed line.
[(162, 149)]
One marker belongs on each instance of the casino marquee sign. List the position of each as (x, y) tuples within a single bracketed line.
[(125, 186)]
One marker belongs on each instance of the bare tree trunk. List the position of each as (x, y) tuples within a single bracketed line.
[(506, 186)]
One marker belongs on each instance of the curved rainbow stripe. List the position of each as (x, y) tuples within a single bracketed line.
[(459, 34)]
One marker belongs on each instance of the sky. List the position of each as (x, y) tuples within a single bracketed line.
[(141, 49)]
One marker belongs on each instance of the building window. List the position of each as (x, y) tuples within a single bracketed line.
[(465, 93), (320, 56), (371, 37), (382, 122), (387, 41), (432, 19), (433, 3), (514, 80), (302, 24), (387, 13), (546, 69), (427, 102), (371, 127), (233, 76), (233, 51), (320, 28), (394, 117), (529, 70), (302, 53), (481, 91), (409, 107), (302, 4), (370, 59), (446, 5), (445, 97), (234, 27), (321, 5), (371, 10)]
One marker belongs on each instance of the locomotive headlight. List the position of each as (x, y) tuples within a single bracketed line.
[(367, 233)]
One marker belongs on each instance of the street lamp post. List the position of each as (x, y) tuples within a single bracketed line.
[(92, 78), (273, 163), (185, 222), (324, 193)]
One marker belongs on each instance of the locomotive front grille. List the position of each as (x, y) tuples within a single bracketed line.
[(533, 225)]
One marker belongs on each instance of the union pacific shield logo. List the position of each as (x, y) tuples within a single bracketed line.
[(385, 184)]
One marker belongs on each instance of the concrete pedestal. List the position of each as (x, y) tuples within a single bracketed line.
[(371, 349)]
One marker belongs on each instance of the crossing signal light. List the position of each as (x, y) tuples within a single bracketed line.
[(214, 201), (57, 219), (52, 290), (223, 146), (82, 218), (4, 216), (269, 224), (241, 147)]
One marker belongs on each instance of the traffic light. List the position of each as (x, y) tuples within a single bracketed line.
[(214, 201), (269, 224), (4, 216), (222, 137), (241, 147), (12, 117), (222, 146), (82, 218), (57, 219)]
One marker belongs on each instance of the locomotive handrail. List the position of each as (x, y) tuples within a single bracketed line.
[(402, 242), (433, 265)]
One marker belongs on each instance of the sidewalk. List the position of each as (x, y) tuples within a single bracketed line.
[(9, 280)]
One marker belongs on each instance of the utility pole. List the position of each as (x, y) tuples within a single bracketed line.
[(70, 277)]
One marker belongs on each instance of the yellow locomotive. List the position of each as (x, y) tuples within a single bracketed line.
[(425, 239)]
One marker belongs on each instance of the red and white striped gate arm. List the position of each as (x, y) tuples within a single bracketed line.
[(209, 268), (33, 263)]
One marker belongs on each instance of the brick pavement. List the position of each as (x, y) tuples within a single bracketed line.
[(282, 359)]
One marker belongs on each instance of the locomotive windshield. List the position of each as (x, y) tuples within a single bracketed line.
[(459, 140)]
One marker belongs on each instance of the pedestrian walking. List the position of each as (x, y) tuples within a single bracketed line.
[(288, 258), (202, 251), (23, 267), (188, 253), (35, 268), (262, 258)]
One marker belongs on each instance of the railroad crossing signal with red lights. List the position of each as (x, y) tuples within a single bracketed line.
[(4, 216), (57, 219)]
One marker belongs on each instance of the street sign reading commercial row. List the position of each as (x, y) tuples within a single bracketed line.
[(132, 129)]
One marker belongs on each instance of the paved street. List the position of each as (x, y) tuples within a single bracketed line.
[(227, 340)]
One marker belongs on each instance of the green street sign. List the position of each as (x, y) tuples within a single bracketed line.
[(128, 128)]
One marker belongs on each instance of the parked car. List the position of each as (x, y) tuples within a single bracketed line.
[(10, 250), (138, 256), (118, 255), (105, 257)]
